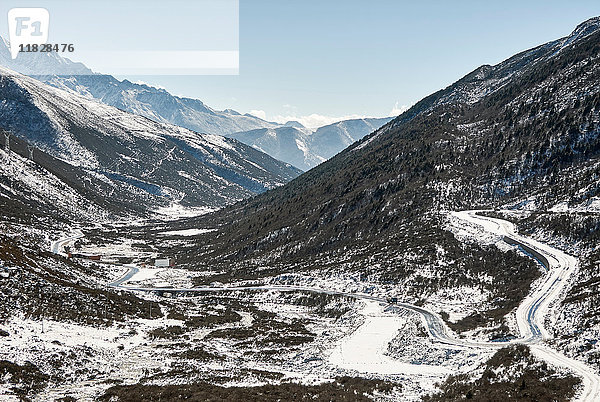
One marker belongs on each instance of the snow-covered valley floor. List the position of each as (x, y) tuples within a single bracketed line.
[(365, 350), (268, 333)]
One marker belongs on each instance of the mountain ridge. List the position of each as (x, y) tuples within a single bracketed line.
[(460, 147), (305, 148), (159, 105), (170, 163)]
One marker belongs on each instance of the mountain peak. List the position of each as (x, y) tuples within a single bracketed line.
[(294, 123), (582, 30), (587, 27)]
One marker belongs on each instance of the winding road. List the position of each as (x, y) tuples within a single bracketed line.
[(536, 307), (58, 246), (530, 315)]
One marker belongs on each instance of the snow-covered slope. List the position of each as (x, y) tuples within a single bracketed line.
[(168, 162), (157, 104), (154, 103), (289, 142)]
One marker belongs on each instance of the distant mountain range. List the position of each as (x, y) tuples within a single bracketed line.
[(305, 148), (154, 103), (151, 164), (295, 146)]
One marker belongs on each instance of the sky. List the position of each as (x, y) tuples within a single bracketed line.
[(370, 58), (321, 61)]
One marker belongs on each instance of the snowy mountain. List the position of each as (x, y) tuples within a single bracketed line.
[(164, 162), (452, 254), (276, 140), (294, 123), (158, 104), (328, 140), (305, 148), (523, 134), (154, 103), (289, 144)]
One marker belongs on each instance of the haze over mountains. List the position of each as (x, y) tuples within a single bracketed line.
[(155, 162), (297, 147)]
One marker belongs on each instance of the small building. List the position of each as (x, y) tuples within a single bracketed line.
[(164, 262)]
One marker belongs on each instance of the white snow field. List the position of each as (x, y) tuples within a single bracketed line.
[(364, 349), (186, 232)]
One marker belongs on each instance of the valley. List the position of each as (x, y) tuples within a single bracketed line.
[(365, 349), (155, 248)]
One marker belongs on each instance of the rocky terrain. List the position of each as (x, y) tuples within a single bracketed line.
[(364, 252), (135, 160)]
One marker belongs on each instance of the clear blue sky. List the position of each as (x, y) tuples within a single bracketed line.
[(339, 58), (361, 57)]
